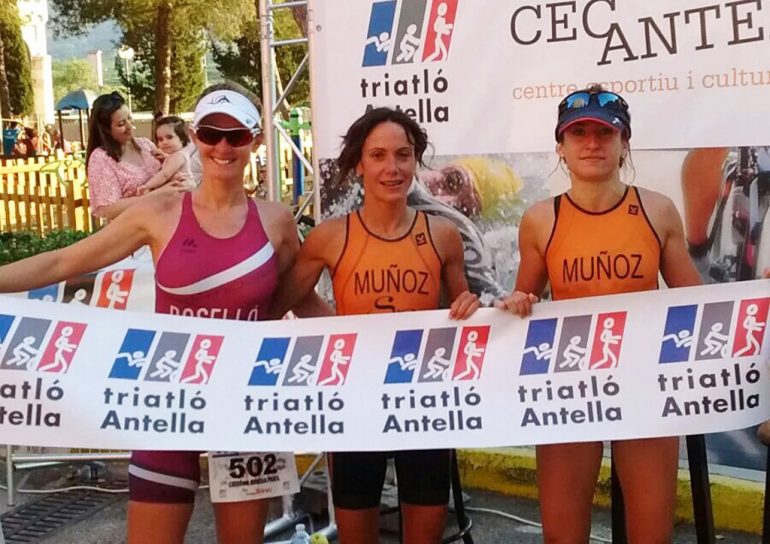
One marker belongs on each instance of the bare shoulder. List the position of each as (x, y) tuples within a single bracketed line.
[(326, 241), (157, 214), (537, 224), (441, 227), (177, 158), (446, 238), (541, 210), (274, 213), (659, 208), (158, 202), (541, 214), (661, 213), (329, 230), (655, 201)]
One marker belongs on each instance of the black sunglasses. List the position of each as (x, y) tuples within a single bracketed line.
[(582, 99), (236, 137)]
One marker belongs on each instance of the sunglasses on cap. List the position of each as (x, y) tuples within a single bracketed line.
[(582, 99), (235, 137)]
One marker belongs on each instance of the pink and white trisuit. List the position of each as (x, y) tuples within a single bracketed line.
[(203, 276)]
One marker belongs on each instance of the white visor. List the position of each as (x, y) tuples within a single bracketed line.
[(229, 103)]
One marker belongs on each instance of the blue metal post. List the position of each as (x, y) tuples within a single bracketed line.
[(295, 125)]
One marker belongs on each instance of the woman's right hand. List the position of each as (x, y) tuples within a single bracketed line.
[(517, 303)]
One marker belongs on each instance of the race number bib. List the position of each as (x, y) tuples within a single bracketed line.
[(241, 476)]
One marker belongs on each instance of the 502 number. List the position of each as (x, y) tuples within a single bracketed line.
[(254, 466)]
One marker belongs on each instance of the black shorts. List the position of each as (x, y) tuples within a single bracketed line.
[(358, 477)]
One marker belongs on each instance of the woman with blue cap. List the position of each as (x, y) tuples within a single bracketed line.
[(580, 242)]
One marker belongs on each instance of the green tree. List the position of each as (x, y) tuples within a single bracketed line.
[(158, 19), (71, 75), (5, 96), (187, 50), (240, 60), (16, 96)]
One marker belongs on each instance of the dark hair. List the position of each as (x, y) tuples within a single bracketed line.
[(177, 124), (353, 140), (100, 126)]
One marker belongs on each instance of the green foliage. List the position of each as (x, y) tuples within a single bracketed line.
[(16, 58), (15, 246), (190, 21), (187, 50), (71, 75), (239, 59)]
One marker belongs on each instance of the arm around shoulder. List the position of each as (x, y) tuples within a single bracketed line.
[(302, 269)]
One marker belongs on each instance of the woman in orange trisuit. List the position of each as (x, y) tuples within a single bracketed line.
[(385, 236), (600, 213)]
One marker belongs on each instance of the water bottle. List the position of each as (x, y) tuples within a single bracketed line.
[(300, 535)]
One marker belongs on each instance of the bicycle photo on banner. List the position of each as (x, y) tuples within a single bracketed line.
[(484, 77)]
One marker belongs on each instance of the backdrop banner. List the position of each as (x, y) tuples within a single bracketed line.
[(628, 366), (484, 79), (484, 76)]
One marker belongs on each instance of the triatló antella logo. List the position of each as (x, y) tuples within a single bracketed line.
[(302, 365), (172, 357), (437, 361), (107, 289), (409, 31), (720, 335), (40, 345), (542, 354)]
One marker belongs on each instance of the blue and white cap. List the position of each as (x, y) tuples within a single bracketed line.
[(229, 103)]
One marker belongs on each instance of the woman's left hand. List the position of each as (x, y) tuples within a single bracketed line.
[(464, 306)]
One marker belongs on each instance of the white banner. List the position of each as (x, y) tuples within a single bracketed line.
[(126, 285), (640, 365), (485, 76)]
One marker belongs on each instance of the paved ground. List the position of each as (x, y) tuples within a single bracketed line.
[(108, 525)]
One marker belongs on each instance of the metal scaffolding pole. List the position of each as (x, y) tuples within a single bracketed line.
[(268, 99), (273, 131), (271, 103)]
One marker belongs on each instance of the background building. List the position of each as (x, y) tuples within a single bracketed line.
[(34, 17)]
